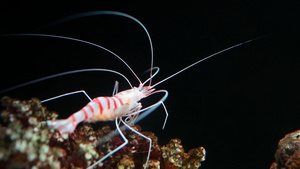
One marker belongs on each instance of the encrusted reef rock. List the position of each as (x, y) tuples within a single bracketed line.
[(27, 142), (24, 138), (288, 153), (175, 157)]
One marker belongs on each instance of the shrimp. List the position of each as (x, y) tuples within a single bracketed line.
[(104, 109), (125, 104)]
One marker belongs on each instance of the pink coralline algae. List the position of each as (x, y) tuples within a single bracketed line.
[(27, 142), (288, 153)]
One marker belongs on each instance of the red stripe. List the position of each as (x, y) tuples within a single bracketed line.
[(119, 100), (99, 103), (108, 103), (73, 118), (91, 108), (115, 103), (74, 121), (85, 114)]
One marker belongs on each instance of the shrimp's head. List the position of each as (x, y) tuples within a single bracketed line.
[(145, 91)]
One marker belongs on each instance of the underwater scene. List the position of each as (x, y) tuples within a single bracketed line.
[(150, 85)]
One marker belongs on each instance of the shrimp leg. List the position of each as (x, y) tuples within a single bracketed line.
[(116, 88), (80, 91), (167, 114), (125, 143), (140, 134), (67, 94), (116, 149)]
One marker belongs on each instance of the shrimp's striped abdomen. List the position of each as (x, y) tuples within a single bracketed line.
[(104, 109), (99, 109)]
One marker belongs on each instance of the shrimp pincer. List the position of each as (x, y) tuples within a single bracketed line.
[(104, 109)]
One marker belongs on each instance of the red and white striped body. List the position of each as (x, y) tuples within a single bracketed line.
[(103, 109)]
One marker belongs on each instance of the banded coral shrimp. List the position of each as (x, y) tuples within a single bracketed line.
[(151, 76)]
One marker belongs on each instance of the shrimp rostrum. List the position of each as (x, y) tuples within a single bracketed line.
[(123, 107)]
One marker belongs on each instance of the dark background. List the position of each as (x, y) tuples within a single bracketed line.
[(237, 105)]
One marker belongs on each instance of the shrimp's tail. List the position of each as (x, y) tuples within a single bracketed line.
[(63, 126)]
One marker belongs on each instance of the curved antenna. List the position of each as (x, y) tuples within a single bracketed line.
[(63, 74), (156, 72), (201, 60), (94, 13), (77, 40)]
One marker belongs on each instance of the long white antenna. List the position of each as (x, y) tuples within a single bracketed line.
[(201, 60), (93, 13)]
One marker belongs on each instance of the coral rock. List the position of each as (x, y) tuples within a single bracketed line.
[(175, 157), (288, 152), (27, 142)]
